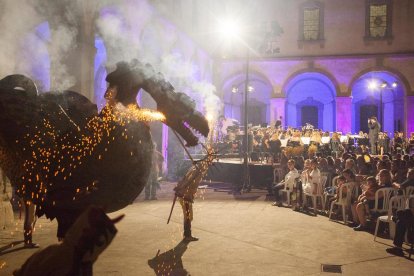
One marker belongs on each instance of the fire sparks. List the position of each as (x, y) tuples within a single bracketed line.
[(56, 153)]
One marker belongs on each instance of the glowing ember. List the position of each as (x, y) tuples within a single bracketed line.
[(134, 113)]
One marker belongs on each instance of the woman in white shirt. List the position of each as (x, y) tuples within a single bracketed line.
[(313, 178)]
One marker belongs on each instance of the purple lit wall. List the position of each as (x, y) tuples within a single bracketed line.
[(410, 114), (100, 72), (277, 107), (343, 120)]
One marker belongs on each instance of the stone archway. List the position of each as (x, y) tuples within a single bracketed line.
[(258, 98), (311, 89), (381, 92)]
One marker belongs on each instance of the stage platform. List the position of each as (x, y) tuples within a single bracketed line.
[(230, 170)]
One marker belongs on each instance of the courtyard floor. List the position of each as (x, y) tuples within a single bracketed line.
[(239, 235)]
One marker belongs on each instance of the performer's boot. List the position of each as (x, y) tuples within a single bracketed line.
[(28, 243), (29, 214), (187, 231)]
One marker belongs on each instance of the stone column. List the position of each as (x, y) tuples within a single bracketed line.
[(72, 48), (409, 115), (87, 50), (277, 109), (165, 148), (343, 114)]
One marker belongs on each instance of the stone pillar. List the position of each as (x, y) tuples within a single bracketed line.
[(87, 49), (277, 109), (72, 49), (343, 114), (165, 148), (409, 113)]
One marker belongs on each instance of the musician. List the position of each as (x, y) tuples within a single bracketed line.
[(398, 142), (315, 138), (275, 146), (221, 132), (383, 143), (278, 123), (374, 128), (295, 140)]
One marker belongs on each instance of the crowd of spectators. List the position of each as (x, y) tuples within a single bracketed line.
[(363, 174)]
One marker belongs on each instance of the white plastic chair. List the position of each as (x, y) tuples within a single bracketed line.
[(277, 174), (344, 202), (410, 202), (334, 180), (332, 184), (288, 189), (396, 203), (319, 193), (408, 191), (386, 192)]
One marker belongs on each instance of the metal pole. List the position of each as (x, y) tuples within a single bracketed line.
[(382, 111), (246, 180)]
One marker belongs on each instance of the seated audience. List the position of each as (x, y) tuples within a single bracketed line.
[(289, 181), (404, 221), (409, 182), (333, 192), (365, 202), (313, 178)]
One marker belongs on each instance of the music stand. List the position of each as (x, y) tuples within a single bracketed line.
[(325, 140), (305, 140)]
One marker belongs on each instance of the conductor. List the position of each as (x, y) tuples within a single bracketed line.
[(374, 129)]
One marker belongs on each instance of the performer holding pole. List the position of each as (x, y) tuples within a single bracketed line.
[(187, 187)]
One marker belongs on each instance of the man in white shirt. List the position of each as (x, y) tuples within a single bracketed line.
[(289, 181)]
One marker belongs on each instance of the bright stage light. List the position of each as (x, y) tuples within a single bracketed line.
[(384, 84), (229, 28), (372, 85), (394, 84)]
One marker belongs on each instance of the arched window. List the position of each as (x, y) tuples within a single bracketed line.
[(378, 19), (311, 21)]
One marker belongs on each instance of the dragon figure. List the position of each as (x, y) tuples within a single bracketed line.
[(62, 155)]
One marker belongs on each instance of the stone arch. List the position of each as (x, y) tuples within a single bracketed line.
[(386, 103), (391, 70), (310, 70), (306, 89), (258, 100)]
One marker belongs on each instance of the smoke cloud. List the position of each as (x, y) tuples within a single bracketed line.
[(134, 29), (130, 28), (26, 50), (17, 19)]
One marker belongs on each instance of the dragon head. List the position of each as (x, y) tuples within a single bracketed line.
[(178, 108)]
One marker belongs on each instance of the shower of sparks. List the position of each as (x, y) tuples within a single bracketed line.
[(134, 113), (63, 152)]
